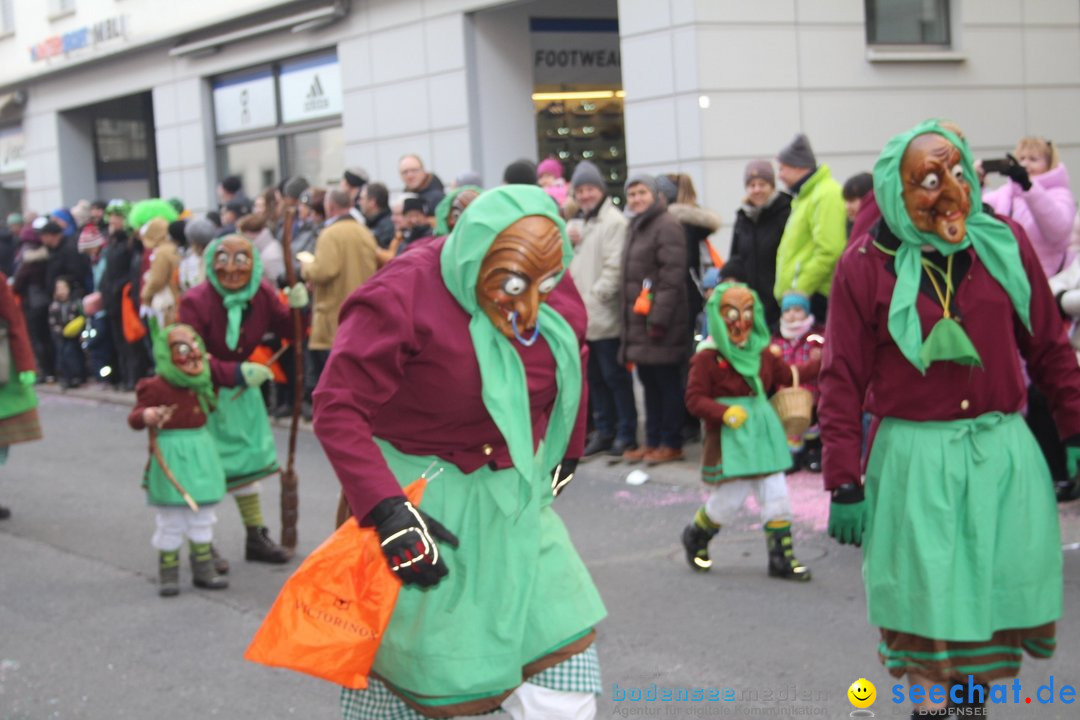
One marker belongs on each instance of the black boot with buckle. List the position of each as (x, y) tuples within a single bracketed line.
[(782, 562)]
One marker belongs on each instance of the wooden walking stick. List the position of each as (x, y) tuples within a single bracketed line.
[(290, 498), (155, 450)]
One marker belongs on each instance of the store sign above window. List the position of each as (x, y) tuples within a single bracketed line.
[(244, 102), (310, 89), (80, 41), (575, 51)]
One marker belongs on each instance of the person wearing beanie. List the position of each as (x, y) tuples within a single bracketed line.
[(417, 226), (816, 233), (469, 177), (598, 235), (586, 173), (759, 225), (65, 260), (655, 318), (352, 182), (198, 232), (549, 175), (520, 172), (800, 339)]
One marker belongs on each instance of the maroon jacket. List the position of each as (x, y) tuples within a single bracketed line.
[(203, 309), (154, 391), (863, 368), (711, 376), (403, 369), (22, 353)]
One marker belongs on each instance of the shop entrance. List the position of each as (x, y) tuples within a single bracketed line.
[(108, 150), (578, 95)]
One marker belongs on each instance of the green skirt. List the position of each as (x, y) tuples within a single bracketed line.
[(962, 529), (758, 447), (191, 457), (241, 431), (516, 591)]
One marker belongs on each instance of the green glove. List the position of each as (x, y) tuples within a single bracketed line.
[(297, 296), (1072, 461), (27, 378), (847, 515), (255, 374)]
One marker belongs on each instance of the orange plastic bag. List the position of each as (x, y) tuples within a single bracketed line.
[(134, 330), (643, 302), (261, 354), (329, 618)]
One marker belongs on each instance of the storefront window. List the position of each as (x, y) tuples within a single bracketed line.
[(256, 162), (316, 155), (278, 121)]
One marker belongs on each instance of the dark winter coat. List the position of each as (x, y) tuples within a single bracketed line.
[(117, 269), (656, 251), (382, 227), (753, 251), (698, 224), (65, 260)]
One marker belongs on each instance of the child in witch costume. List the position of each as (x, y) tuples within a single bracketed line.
[(799, 340), (932, 314), (745, 448), (232, 310), (183, 466)]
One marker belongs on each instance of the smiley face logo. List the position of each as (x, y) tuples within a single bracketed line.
[(862, 693)]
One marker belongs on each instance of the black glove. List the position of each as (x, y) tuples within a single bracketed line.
[(408, 537), (1018, 174), (562, 475)]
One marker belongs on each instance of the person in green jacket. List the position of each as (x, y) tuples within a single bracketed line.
[(815, 234)]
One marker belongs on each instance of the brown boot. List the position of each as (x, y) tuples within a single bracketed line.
[(260, 548), (636, 454), (663, 455)]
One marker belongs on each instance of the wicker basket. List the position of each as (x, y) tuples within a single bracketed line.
[(794, 405)]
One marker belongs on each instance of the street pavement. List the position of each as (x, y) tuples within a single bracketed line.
[(84, 635)]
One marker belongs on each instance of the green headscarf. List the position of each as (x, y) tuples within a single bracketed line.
[(442, 210), (746, 359), (201, 383), (505, 392), (235, 300), (992, 240)]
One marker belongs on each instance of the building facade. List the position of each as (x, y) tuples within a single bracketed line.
[(104, 98)]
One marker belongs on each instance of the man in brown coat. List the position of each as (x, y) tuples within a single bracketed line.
[(655, 317), (344, 259)]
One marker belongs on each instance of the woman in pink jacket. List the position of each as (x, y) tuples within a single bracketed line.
[(1038, 197)]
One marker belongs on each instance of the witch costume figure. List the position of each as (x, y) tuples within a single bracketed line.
[(18, 401), (745, 449), (466, 353), (931, 315), (184, 478), (232, 310)]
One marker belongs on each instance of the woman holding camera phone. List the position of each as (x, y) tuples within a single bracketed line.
[(1038, 197)]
